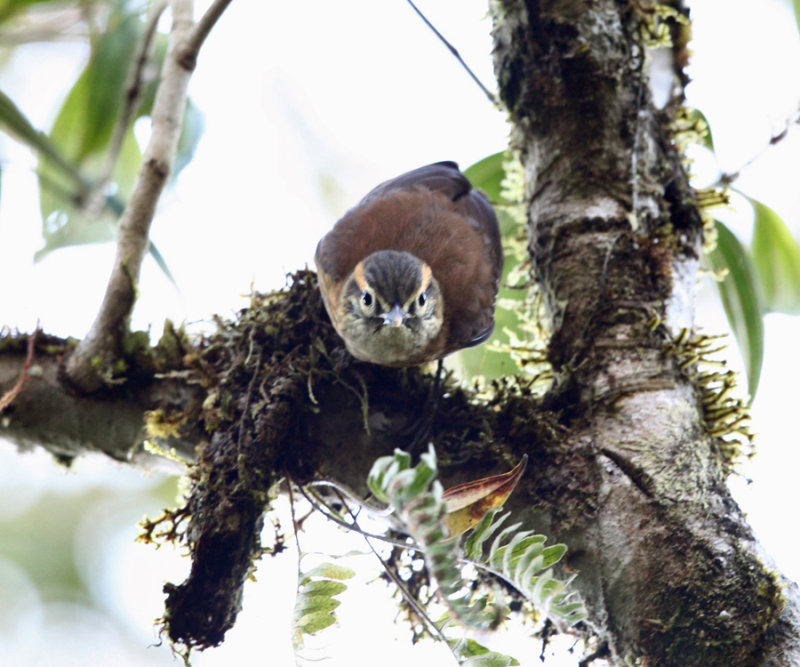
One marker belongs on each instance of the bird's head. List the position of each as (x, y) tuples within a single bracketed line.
[(391, 308)]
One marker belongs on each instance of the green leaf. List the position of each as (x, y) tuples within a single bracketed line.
[(105, 76), (741, 300), (16, 123), (9, 8), (314, 622), (385, 469), (155, 253), (314, 604), (700, 123), (475, 654), (473, 547), (490, 660), (331, 571), (776, 256), (65, 218), (487, 174), (468, 648), (553, 554), (81, 133), (191, 131), (323, 587), (413, 482), (796, 4)]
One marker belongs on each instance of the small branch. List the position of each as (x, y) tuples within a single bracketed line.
[(436, 631), (455, 53), (373, 507), (133, 93), (323, 508), (8, 398), (91, 365), (201, 30)]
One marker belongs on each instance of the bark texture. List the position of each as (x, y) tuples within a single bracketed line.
[(667, 563), (49, 413)]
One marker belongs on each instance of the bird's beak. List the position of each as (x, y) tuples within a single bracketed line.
[(395, 317)]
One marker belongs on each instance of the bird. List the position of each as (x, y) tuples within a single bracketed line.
[(411, 273)]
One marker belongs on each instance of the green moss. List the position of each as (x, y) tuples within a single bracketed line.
[(726, 416), (159, 425)]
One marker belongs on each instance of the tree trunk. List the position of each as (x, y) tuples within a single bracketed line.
[(667, 564)]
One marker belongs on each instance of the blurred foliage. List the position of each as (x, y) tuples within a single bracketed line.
[(42, 538), (752, 281), (796, 7), (488, 175), (88, 161), (740, 296), (776, 256)]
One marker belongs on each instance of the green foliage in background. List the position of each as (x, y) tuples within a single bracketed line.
[(88, 160), (753, 281), (489, 175)]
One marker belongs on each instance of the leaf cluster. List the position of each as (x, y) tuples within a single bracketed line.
[(89, 158), (514, 557)]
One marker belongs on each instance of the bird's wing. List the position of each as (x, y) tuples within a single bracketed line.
[(440, 177), (445, 177)]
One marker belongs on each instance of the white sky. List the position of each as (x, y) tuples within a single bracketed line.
[(343, 95)]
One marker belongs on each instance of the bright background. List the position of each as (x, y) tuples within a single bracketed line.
[(307, 106)]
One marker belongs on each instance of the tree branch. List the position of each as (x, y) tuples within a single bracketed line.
[(133, 92), (201, 30), (92, 364), (8, 397), (44, 413)]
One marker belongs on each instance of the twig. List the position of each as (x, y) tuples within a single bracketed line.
[(133, 93), (323, 508), (202, 28), (295, 528), (455, 53), (91, 365), (373, 507), (12, 393), (410, 599)]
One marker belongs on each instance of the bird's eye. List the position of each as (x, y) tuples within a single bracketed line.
[(422, 300), (366, 299)]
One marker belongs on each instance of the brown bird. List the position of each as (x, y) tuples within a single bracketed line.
[(411, 273)]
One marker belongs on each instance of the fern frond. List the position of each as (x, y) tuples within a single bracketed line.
[(522, 560), (315, 604), (474, 654), (518, 557)]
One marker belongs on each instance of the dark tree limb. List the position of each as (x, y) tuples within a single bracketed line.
[(47, 413)]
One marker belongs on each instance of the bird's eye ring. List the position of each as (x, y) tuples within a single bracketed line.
[(422, 299), (366, 298)]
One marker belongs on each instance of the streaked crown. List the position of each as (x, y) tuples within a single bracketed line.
[(390, 308)]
